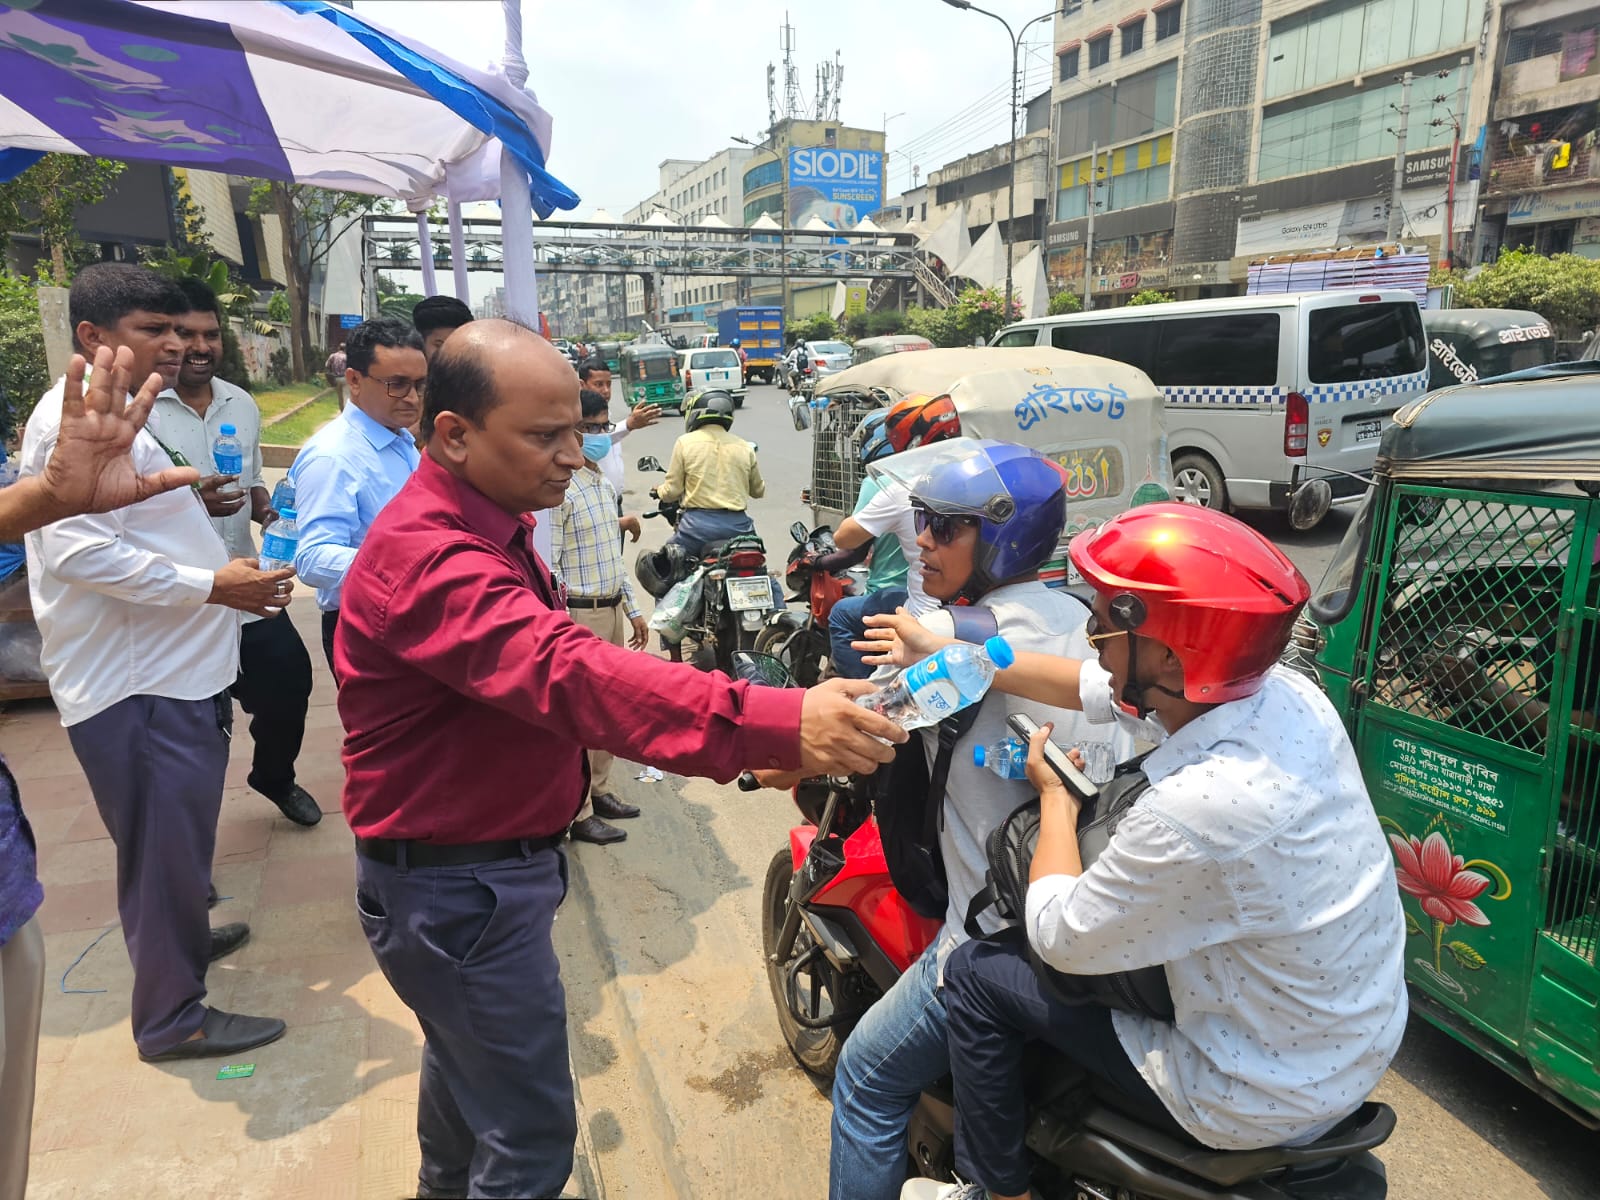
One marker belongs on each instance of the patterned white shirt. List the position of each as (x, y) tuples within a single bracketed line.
[(586, 544), (1254, 868)]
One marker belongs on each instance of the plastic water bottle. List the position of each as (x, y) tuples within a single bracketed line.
[(280, 541), (283, 495), (944, 683), (1007, 758), (227, 452)]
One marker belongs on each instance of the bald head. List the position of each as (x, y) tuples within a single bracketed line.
[(469, 372)]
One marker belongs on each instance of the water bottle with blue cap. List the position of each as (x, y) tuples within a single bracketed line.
[(941, 685)]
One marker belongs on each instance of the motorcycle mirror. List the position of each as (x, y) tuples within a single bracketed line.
[(649, 463), (800, 413), (1309, 504), (799, 532)]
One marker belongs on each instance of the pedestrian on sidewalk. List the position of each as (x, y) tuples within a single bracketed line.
[(274, 680), (586, 557), (91, 470), (138, 613), (351, 467), (333, 370), (468, 694)]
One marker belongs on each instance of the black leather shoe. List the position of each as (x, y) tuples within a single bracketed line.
[(593, 829), (608, 806), (225, 939), (212, 899), (223, 1033), (296, 804)]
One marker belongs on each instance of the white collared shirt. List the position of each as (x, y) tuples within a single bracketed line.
[(120, 597), (1254, 868), (182, 429)]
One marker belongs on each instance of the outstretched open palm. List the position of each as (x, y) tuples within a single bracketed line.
[(91, 468)]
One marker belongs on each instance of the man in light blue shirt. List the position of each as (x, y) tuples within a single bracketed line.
[(354, 465)]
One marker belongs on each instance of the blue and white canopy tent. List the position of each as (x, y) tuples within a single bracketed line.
[(296, 90)]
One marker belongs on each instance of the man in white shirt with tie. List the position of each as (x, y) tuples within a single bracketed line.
[(138, 610)]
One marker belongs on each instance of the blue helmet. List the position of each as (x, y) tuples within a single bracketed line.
[(1017, 496), (873, 437)]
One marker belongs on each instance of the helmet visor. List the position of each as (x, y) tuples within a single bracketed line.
[(956, 478)]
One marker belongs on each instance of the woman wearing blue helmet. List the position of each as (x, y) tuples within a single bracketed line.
[(989, 515)]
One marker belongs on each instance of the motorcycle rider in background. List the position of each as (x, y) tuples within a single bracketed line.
[(713, 475), (1253, 869), (899, 1046)]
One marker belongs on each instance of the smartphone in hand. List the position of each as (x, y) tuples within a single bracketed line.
[(1075, 781)]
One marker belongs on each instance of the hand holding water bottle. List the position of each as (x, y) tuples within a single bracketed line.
[(1007, 758), (941, 685)]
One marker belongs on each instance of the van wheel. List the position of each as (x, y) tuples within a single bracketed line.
[(1197, 480)]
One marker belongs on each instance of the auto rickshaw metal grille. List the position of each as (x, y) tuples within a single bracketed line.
[(836, 470), (1574, 895), (1467, 632)]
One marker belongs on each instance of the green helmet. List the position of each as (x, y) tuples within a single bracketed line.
[(713, 407)]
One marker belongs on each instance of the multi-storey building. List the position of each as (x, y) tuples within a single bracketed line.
[(1205, 133)]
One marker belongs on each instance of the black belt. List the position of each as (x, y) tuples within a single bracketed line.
[(431, 854), (601, 602)]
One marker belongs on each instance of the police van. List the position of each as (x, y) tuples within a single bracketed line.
[(1263, 393)]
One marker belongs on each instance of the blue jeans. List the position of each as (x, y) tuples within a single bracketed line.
[(845, 625), (896, 1051), (698, 527)]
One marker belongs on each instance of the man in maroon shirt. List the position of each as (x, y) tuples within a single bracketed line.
[(468, 696)]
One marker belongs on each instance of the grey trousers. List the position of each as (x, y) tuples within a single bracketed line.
[(156, 767), (21, 1001)]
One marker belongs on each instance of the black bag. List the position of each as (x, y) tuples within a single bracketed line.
[(909, 798), (1010, 850)]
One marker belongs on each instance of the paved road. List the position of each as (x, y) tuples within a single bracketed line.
[(687, 1088)]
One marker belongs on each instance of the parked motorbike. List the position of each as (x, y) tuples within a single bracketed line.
[(837, 935), (737, 594), (798, 638)]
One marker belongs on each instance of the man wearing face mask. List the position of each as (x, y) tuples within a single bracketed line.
[(586, 554)]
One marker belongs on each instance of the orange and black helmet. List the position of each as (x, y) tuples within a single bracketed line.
[(918, 419)]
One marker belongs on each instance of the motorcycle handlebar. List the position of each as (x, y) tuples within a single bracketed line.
[(748, 782)]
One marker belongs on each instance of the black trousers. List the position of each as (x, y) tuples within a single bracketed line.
[(330, 622), (274, 687)]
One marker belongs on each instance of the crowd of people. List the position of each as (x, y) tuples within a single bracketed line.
[(460, 522)]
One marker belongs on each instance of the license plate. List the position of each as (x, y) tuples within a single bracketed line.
[(750, 593), (1368, 431)]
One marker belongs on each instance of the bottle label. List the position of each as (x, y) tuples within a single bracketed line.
[(930, 684), (275, 546)]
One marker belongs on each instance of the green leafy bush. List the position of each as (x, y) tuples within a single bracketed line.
[(1064, 302), (24, 375)]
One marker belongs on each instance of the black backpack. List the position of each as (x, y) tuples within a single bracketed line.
[(1010, 850)]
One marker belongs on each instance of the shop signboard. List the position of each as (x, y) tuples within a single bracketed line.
[(843, 187)]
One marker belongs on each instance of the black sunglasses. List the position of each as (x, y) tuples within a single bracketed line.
[(941, 526)]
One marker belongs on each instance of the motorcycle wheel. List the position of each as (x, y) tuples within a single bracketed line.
[(796, 649), (817, 1050)]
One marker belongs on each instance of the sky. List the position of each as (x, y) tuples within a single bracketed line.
[(629, 83)]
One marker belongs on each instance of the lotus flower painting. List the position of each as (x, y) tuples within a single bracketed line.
[(1447, 888)]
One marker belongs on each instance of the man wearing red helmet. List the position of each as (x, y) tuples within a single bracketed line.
[(1252, 869)]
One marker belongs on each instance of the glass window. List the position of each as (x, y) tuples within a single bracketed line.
[(1069, 64), (1228, 350), (1072, 202), (1026, 336), (1427, 34), (1100, 52), (1132, 38), (1169, 21), (1122, 341), (1365, 341), (700, 360)]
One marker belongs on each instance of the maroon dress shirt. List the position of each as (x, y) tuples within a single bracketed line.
[(468, 694)]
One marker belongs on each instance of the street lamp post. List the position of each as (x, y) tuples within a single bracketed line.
[(1011, 185)]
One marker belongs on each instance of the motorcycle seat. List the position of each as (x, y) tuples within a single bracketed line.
[(713, 550), (1369, 1126)]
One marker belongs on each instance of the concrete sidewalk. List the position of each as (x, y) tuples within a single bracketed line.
[(331, 1109)]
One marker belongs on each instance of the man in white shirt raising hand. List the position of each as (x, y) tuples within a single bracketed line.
[(138, 612)]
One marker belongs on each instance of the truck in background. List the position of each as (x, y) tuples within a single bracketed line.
[(759, 331)]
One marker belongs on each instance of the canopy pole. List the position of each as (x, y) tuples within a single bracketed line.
[(458, 253), (516, 205), (430, 286)]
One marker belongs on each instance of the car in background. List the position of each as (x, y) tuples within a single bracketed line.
[(870, 348), (826, 358), (713, 367)]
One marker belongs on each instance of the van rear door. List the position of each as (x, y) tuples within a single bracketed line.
[(1363, 359)]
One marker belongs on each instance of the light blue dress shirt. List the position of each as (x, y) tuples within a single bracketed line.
[(343, 476)]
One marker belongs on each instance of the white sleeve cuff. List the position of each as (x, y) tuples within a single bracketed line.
[(1094, 692), (194, 584)]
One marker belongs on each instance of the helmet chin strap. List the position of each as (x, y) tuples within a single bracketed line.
[(1133, 692)]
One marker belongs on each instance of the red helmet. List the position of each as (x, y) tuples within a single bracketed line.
[(1214, 591), (917, 419)]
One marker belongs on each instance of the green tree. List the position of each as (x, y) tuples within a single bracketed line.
[(398, 305), (886, 323), (312, 220), (818, 327), (45, 199), (1563, 289), (24, 377), (1150, 296), (980, 313), (278, 308), (938, 325), (1064, 302)]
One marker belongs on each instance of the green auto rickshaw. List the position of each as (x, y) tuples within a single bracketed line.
[(608, 352), (650, 375), (1466, 345), (1455, 631)]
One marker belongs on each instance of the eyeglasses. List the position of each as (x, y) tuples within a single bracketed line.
[(597, 427), (400, 387), (941, 526), (1091, 630)]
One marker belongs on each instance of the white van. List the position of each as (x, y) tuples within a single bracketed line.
[(1262, 392)]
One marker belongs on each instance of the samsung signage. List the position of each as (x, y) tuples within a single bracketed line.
[(843, 187)]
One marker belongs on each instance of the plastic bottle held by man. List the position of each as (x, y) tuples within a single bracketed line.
[(283, 495), (228, 452), (941, 685), (279, 541), (1007, 758)]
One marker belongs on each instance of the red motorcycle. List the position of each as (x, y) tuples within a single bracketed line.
[(836, 936), (799, 639)]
